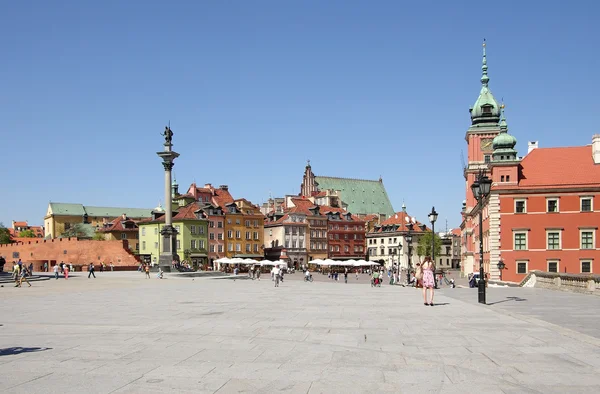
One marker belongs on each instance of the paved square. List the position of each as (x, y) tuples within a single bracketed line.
[(122, 333)]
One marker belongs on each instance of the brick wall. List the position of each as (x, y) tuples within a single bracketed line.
[(69, 250)]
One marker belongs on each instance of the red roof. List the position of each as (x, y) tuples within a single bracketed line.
[(188, 212), (399, 218), (117, 225), (566, 166), (222, 197), (456, 232), (20, 224)]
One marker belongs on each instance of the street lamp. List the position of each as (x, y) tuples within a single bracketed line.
[(501, 266), (432, 218), (481, 189), (408, 238)]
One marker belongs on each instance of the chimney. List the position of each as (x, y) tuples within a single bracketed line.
[(124, 216), (531, 145), (596, 148), (224, 187), (207, 186)]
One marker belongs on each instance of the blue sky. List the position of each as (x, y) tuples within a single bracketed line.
[(255, 88)]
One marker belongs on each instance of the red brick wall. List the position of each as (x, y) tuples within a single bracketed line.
[(77, 252)]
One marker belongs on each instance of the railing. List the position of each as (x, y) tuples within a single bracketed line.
[(578, 283)]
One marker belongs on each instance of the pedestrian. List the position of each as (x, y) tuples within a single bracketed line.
[(419, 276), (159, 274), (55, 269), (16, 273), (46, 267), (66, 271), (112, 267), (428, 280), (346, 275), (276, 270), (91, 269), (356, 272), (147, 269), (23, 276), (258, 273), (71, 267), (30, 268)]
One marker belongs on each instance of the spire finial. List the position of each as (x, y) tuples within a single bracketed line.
[(502, 124), (484, 77), (308, 163)]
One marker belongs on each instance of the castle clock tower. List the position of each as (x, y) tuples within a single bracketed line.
[(485, 116)]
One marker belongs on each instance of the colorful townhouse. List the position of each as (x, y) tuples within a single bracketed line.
[(244, 230)]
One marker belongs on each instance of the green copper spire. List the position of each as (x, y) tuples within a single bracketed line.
[(486, 109), (504, 143), (484, 77)]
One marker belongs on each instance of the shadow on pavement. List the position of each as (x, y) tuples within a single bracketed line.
[(18, 350), (518, 299)]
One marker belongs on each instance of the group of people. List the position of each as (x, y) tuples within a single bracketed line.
[(146, 269)]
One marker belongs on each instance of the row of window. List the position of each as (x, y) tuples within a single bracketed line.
[(373, 241), (318, 222), (552, 205), (346, 227), (318, 233), (212, 236), (347, 236), (194, 244), (238, 235), (373, 251), (294, 244), (248, 223), (554, 239), (336, 248), (318, 245), (585, 266), (294, 230), (238, 247), (211, 224)]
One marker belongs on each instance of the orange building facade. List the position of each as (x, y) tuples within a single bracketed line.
[(543, 209)]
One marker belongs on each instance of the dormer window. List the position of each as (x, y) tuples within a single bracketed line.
[(487, 109)]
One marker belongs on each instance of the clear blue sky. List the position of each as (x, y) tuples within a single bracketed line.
[(255, 88)]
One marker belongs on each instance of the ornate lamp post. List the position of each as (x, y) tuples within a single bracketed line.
[(501, 266), (481, 190), (169, 233), (408, 238), (432, 218)]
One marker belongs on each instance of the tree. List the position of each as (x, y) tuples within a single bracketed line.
[(27, 234), (424, 246), (98, 236), (78, 230), (5, 235)]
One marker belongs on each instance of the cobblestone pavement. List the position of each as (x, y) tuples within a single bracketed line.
[(121, 333)]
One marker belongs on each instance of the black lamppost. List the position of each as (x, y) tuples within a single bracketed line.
[(432, 218), (408, 238), (501, 266), (481, 189)]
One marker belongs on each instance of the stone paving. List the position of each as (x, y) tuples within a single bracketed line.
[(121, 333)]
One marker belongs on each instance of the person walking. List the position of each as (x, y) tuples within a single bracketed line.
[(428, 280), (23, 276), (112, 267), (276, 271), (345, 275), (55, 269), (91, 269), (46, 267), (66, 271), (147, 269), (356, 273), (258, 273)]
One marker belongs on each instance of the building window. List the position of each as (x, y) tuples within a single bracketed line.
[(238, 234), (212, 248), (123, 235), (219, 224), (521, 267), (487, 158), (143, 245), (508, 178), (248, 247), (256, 247), (178, 244), (220, 236), (155, 245), (552, 205), (193, 229), (256, 223), (193, 244), (552, 266), (211, 236), (229, 247), (586, 204), (220, 248), (238, 247), (256, 236), (211, 224), (248, 235), (247, 223), (586, 267), (553, 240), (228, 221), (237, 221), (229, 233), (501, 178), (178, 228), (143, 231), (520, 206), (587, 239), (155, 230), (200, 230), (520, 241)]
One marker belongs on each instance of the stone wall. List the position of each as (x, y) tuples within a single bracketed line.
[(69, 250), (577, 283)]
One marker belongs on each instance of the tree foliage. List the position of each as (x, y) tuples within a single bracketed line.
[(27, 234), (5, 236), (98, 236), (424, 246), (77, 230)]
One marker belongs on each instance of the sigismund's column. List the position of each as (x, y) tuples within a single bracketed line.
[(169, 233)]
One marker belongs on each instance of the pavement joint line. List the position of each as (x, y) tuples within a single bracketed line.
[(127, 384), (29, 381)]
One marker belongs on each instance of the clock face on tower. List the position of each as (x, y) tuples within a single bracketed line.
[(486, 144)]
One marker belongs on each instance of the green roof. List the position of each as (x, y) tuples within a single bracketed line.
[(362, 196), (68, 209)]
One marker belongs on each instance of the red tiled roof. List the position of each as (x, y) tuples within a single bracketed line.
[(456, 231), (188, 212), (222, 197), (565, 166), (117, 225), (20, 224), (187, 195), (399, 219)]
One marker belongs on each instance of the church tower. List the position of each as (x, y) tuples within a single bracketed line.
[(485, 117), (308, 186)]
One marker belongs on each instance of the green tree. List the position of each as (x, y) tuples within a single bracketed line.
[(98, 236), (5, 236), (78, 230), (27, 234), (424, 246)]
